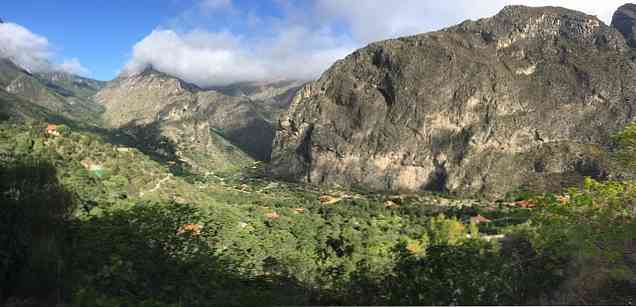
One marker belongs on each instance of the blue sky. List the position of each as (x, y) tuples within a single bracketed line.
[(99, 33), (214, 42)]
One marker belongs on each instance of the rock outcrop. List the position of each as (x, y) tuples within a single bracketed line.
[(624, 20), (526, 99)]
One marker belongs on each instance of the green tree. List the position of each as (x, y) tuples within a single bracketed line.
[(35, 209)]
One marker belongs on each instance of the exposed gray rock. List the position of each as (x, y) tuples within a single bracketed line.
[(525, 99), (624, 20)]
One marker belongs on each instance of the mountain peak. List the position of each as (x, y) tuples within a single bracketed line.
[(483, 107)]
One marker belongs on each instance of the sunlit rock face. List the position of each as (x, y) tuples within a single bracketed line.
[(526, 99), (209, 129)]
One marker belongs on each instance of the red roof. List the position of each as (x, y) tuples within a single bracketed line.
[(479, 219)]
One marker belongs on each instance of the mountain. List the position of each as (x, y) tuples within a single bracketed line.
[(525, 100), (17, 109), (274, 97), (624, 21), (67, 96), (207, 129), (71, 85)]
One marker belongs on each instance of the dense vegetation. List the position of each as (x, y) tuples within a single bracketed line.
[(136, 232)]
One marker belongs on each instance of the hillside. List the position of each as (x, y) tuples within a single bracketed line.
[(488, 163), (273, 97), (524, 100), (50, 93), (195, 120), (280, 243), (71, 85)]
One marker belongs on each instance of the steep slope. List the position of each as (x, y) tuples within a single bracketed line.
[(624, 20), (46, 93), (71, 85), (19, 110), (9, 72), (273, 97), (523, 100), (199, 124)]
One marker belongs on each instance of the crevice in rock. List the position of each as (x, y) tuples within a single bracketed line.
[(387, 90), (304, 151), (439, 178)]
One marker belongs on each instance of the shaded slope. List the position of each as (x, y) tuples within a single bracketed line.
[(159, 108), (44, 92)]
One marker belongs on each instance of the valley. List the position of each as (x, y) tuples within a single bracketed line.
[(488, 163)]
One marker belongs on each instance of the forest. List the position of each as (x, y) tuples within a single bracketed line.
[(77, 237)]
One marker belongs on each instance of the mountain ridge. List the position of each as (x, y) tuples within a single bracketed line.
[(515, 101), (189, 116)]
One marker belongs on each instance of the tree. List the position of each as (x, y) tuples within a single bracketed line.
[(35, 208)]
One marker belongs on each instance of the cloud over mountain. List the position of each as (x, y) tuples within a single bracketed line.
[(305, 38), (33, 52), (211, 59)]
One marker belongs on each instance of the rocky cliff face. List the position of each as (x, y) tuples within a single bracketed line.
[(204, 126), (624, 20), (526, 99)]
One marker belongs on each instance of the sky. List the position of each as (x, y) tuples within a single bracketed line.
[(218, 42)]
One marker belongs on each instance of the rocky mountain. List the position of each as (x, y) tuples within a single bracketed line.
[(71, 85), (204, 126), (624, 20), (274, 97), (59, 95), (526, 99)]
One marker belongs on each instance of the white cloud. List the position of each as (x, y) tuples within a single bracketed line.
[(73, 66), (31, 51), (24, 48), (212, 59), (310, 36), (372, 20)]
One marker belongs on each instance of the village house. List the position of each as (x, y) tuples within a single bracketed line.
[(479, 219), (51, 129), (194, 229)]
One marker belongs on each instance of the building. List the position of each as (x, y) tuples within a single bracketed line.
[(51, 129)]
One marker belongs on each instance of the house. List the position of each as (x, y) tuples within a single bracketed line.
[(51, 129), (525, 204), (194, 229), (479, 219), (272, 215)]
